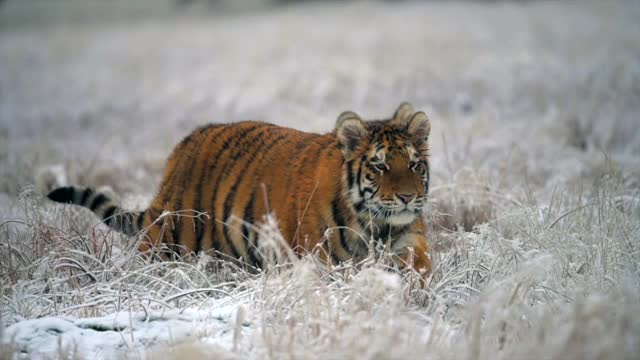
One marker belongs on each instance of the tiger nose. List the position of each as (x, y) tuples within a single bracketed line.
[(406, 198)]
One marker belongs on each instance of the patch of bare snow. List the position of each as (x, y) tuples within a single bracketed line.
[(114, 335)]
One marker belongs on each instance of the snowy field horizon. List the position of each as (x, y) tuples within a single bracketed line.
[(534, 213)]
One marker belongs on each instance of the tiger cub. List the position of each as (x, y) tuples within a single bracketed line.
[(364, 181)]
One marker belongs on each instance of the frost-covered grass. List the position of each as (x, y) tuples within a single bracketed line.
[(534, 213)]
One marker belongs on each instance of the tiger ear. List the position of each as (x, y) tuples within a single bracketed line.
[(350, 130), (402, 114), (419, 127)]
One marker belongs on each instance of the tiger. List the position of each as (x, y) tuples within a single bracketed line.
[(332, 194)]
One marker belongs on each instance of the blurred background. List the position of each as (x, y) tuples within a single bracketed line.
[(523, 95), (93, 11)]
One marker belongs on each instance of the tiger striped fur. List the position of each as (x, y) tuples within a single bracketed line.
[(365, 180)]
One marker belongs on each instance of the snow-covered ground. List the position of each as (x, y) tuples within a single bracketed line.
[(119, 333), (535, 111)]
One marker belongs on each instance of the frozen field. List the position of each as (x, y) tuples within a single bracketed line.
[(535, 206)]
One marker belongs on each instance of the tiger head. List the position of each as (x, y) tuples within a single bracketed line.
[(386, 167)]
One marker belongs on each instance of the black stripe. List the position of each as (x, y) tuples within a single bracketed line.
[(98, 201), (175, 233), (193, 159), (228, 204), (200, 224), (383, 234), (340, 222), (62, 195), (253, 248), (359, 176), (85, 196), (107, 217), (177, 154), (223, 172), (248, 218), (140, 220), (349, 174), (426, 185)]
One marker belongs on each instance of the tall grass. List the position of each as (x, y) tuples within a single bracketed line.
[(558, 280)]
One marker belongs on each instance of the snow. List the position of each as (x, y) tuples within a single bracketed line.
[(112, 336)]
